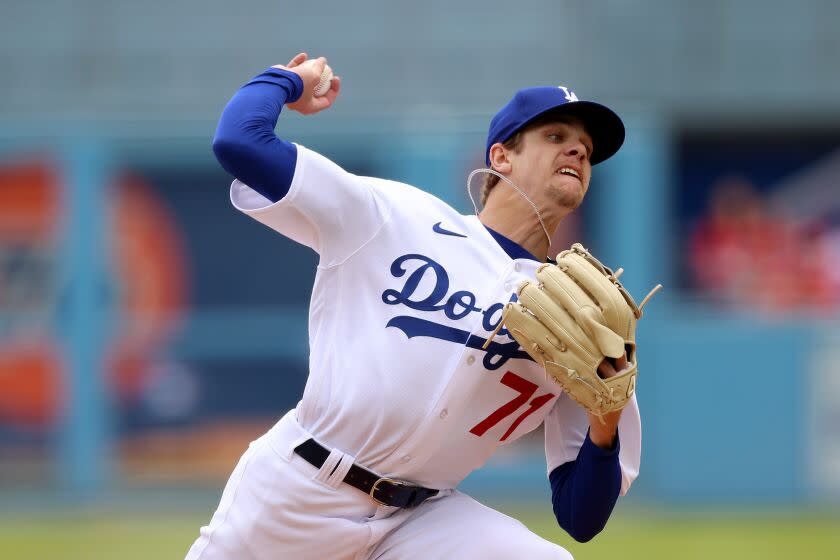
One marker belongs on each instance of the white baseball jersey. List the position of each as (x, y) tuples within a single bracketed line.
[(406, 293)]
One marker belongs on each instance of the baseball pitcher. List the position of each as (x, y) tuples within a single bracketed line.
[(435, 338)]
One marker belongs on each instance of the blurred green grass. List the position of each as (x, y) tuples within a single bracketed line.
[(703, 536), (642, 535)]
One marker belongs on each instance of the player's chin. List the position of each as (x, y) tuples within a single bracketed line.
[(567, 192)]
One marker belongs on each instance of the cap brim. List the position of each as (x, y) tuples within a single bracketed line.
[(603, 125)]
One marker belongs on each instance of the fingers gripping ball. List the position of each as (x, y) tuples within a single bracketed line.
[(577, 314), (326, 81)]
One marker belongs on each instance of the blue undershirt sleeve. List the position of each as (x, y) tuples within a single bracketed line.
[(584, 491), (245, 143)]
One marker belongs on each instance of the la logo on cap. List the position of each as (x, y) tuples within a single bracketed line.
[(570, 95)]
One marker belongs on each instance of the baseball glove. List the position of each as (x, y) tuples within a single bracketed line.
[(570, 320)]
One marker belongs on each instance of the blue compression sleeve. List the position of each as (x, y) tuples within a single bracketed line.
[(584, 491), (245, 143)]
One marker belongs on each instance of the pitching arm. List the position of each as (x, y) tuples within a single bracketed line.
[(245, 143)]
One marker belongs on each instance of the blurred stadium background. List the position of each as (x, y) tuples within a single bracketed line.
[(148, 331)]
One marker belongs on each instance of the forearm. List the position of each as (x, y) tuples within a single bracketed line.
[(245, 143), (584, 491)]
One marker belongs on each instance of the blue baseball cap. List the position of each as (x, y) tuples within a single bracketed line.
[(602, 124)]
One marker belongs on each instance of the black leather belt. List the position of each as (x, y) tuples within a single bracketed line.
[(382, 490)]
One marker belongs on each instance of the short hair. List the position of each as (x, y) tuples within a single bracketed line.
[(515, 143)]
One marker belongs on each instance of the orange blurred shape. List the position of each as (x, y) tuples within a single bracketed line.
[(147, 261), (30, 384), (29, 202)]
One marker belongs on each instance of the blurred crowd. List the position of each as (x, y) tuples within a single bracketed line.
[(742, 255)]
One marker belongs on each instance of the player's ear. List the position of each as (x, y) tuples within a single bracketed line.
[(499, 159)]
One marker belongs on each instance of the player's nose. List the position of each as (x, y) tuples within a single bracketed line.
[(577, 149)]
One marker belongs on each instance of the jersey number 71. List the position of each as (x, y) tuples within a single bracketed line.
[(526, 390)]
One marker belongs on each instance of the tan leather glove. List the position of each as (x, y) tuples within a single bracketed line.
[(570, 320)]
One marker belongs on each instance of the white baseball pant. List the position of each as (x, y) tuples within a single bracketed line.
[(278, 506)]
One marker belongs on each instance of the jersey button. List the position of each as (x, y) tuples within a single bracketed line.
[(470, 360), (443, 413), (517, 267), (406, 458), (507, 287)]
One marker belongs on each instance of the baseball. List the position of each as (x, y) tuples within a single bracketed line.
[(326, 81)]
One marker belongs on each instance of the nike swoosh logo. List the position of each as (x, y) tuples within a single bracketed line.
[(437, 229)]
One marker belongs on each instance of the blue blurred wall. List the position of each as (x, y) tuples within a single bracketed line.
[(142, 84)]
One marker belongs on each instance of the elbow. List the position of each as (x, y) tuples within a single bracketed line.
[(583, 536), (235, 155), (580, 529), (227, 150)]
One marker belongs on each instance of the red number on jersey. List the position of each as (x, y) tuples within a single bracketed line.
[(526, 390)]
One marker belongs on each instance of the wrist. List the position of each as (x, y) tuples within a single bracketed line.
[(288, 80), (603, 431)]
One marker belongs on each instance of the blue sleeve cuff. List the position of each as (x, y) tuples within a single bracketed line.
[(286, 79), (584, 491)]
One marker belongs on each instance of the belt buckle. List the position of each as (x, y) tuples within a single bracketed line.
[(376, 485)]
